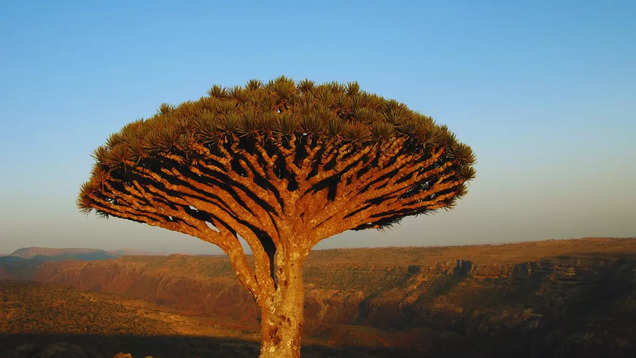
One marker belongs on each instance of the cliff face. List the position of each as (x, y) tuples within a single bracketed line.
[(508, 298)]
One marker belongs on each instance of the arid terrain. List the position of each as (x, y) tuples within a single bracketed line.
[(554, 298)]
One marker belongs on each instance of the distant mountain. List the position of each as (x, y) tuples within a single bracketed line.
[(23, 263), (63, 254)]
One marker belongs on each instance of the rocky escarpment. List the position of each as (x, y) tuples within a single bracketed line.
[(576, 296)]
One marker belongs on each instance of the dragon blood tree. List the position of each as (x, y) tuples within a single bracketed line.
[(283, 166)]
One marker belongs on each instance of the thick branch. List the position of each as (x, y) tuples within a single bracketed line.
[(268, 189)]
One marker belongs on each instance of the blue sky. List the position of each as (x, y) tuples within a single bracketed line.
[(544, 92)]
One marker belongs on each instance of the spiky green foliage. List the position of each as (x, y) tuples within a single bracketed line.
[(280, 107)]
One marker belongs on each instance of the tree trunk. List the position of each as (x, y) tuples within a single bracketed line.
[(282, 314)]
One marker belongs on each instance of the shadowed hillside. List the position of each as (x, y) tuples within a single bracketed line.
[(556, 298), (38, 320)]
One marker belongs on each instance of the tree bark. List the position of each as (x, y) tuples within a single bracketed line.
[(282, 312)]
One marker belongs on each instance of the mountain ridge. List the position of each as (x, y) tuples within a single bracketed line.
[(33, 251)]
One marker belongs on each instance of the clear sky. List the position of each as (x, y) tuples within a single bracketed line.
[(543, 91)]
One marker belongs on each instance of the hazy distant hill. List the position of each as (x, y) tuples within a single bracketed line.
[(23, 263), (63, 254), (554, 298)]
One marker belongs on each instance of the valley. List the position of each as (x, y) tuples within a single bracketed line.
[(548, 298)]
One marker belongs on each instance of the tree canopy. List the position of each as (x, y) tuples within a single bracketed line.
[(271, 120)]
